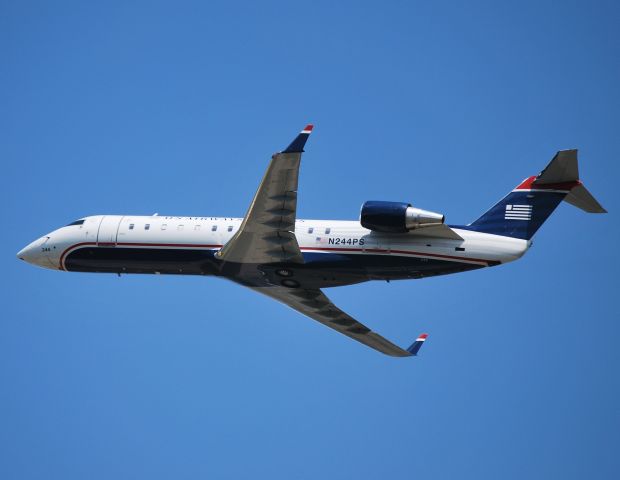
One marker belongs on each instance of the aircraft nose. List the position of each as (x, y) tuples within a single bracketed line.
[(31, 253)]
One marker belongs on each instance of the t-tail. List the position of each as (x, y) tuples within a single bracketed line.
[(521, 213)]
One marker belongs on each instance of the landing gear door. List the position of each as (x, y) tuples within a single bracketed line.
[(108, 230)]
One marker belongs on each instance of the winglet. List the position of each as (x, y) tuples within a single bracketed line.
[(297, 145), (415, 346)]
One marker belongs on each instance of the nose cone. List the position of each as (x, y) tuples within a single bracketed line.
[(33, 253)]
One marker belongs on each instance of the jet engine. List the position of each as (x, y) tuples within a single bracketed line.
[(396, 217)]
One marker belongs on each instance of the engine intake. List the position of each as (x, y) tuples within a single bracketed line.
[(396, 217)]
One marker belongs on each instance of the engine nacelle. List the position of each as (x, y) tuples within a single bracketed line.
[(396, 217)]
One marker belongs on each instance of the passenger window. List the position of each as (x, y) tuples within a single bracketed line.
[(147, 226), (230, 228), (131, 226), (214, 228), (328, 231), (310, 230), (164, 226)]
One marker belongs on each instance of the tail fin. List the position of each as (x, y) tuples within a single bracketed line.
[(521, 213)]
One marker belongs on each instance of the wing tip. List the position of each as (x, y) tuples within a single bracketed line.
[(297, 145), (415, 346)]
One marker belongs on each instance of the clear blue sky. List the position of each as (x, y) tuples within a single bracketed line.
[(176, 107)]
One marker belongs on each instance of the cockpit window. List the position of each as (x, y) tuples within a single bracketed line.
[(77, 222)]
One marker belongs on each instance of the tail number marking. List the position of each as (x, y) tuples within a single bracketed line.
[(346, 241)]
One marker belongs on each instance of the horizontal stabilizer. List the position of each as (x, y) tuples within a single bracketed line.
[(581, 198), (521, 213), (561, 169), (415, 346), (563, 173)]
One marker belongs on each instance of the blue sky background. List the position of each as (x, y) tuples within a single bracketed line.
[(176, 107)]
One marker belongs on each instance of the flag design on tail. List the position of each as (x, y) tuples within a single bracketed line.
[(521, 213), (518, 212)]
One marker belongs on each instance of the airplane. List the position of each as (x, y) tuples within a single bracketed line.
[(292, 260)]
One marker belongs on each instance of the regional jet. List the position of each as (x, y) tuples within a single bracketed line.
[(293, 260)]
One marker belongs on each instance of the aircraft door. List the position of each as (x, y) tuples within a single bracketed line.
[(108, 230)]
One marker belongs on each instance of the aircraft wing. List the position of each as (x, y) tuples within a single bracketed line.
[(267, 233), (316, 305)]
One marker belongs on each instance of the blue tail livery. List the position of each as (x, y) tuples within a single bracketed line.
[(521, 213)]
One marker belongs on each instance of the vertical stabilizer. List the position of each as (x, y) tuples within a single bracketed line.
[(521, 213)]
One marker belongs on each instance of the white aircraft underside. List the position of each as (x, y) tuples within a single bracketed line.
[(291, 260)]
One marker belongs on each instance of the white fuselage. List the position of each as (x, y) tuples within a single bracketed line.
[(313, 236)]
